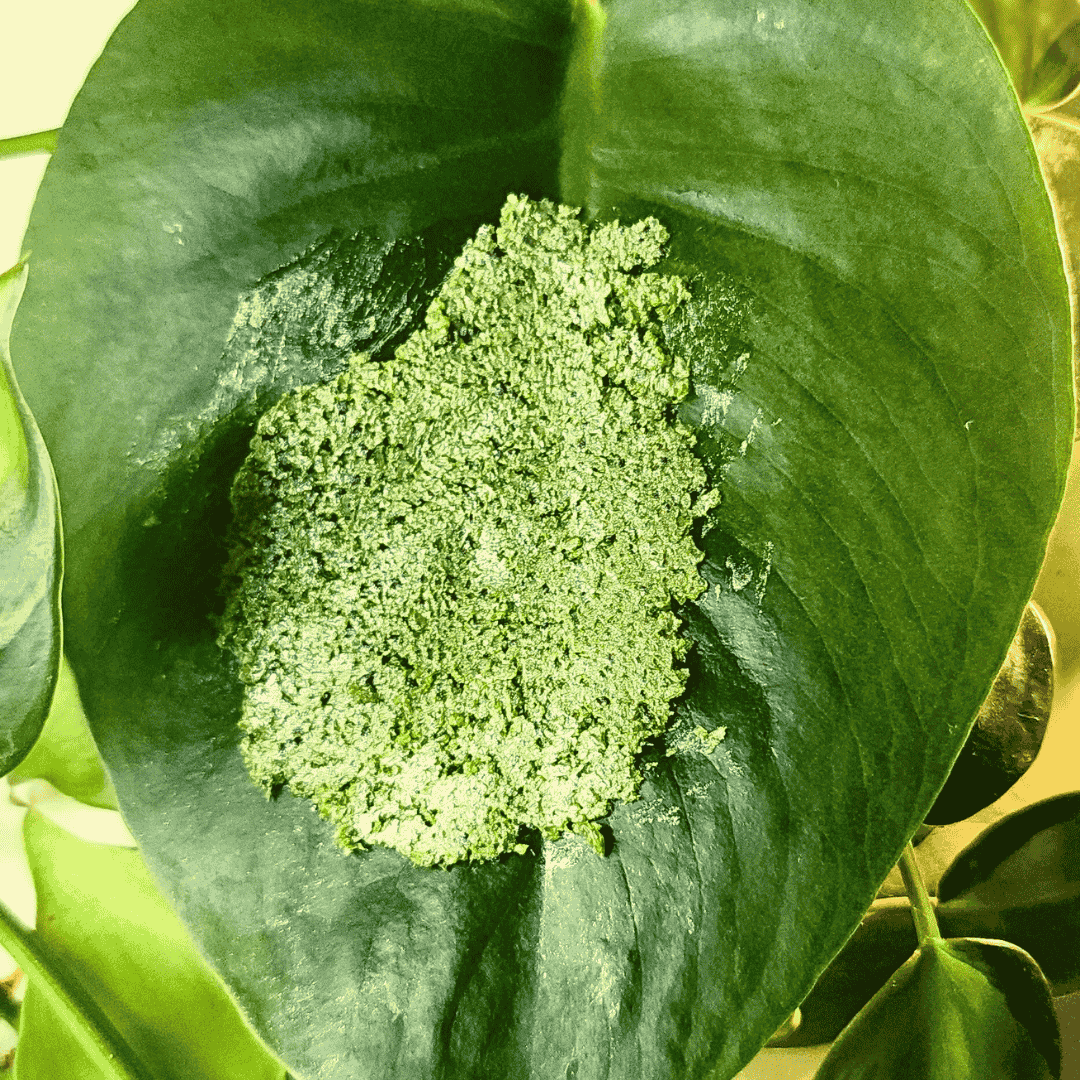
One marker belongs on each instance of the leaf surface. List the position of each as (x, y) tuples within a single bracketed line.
[(890, 426), (964, 1007), (31, 556)]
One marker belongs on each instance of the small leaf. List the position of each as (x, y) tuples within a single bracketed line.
[(1032, 854), (1009, 727), (1020, 880), (1024, 31), (64, 753), (31, 564), (1058, 72), (963, 1007), (102, 917), (101, 1046)]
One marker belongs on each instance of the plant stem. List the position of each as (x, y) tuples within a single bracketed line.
[(922, 910), (103, 1045), (39, 142), (581, 108)]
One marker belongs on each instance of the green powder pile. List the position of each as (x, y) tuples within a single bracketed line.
[(453, 573)]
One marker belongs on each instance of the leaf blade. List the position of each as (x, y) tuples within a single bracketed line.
[(31, 556), (811, 791), (767, 166), (961, 1007)]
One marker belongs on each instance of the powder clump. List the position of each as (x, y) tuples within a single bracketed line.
[(453, 571)]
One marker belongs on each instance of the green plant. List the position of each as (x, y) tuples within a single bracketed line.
[(245, 195)]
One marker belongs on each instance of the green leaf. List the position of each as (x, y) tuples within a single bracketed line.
[(31, 556), (105, 923), (1058, 72), (890, 429), (64, 753), (962, 1007), (1020, 880), (1009, 727), (1024, 31), (87, 1028)]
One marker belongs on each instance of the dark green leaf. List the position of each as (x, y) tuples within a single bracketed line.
[(967, 1008), (1020, 880), (886, 936), (883, 941), (31, 556), (1009, 728), (891, 446), (103, 920)]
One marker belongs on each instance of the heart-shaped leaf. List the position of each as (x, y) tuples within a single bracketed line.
[(31, 554), (964, 1007), (890, 427), (1019, 882)]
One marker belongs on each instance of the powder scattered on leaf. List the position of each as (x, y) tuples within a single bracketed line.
[(453, 571)]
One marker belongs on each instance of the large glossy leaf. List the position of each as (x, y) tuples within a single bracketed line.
[(31, 556), (890, 429)]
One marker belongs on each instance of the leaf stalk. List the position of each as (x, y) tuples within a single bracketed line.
[(38, 143), (922, 911)]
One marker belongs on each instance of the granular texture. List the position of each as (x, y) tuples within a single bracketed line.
[(454, 571)]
